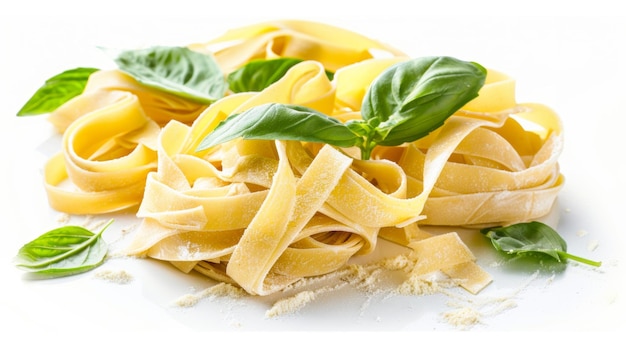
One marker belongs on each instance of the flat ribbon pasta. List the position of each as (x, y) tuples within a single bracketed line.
[(106, 155), (238, 201), (159, 106), (331, 46), (264, 214), (387, 196), (499, 173)]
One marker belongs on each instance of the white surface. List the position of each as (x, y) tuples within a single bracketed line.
[(575, 65)]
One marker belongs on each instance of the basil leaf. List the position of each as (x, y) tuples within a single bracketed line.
[(275, 121), (412, 98), (56, 91), (532, 238), (176, 70), (63, 251), (259, 74)]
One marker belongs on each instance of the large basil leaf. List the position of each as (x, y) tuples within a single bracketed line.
[(56, 91), (176, 70), (281, 122), (413, 98), (259, 74), (531, 238), (63, 251)]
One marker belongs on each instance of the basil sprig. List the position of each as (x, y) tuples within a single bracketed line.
[(259, 74), (63, 251), (532, 238), (177, 70), (56, 91), (406, 102)]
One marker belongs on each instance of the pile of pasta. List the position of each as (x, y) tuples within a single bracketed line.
[(265, 214)]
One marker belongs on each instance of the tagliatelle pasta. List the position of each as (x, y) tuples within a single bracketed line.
[(264, 214), (333, 47), (108, 149)]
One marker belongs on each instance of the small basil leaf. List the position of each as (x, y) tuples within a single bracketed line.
[(56, 91), (532, 238), (83, 261), (415, 97), (63, 251), (259, 74), (275, 121), (176, 70)]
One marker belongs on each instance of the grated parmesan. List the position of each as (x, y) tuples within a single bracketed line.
[(462, 317), (118, 277), (291, 304), (219, 290), (465, 310)]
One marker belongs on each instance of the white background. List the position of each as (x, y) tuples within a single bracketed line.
[(568, 55)]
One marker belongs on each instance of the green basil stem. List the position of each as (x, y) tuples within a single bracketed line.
[(580, 259), (367, 148)]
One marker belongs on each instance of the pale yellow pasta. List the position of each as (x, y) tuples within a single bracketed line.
[(333, 47), (108, 150), (265, 214), (159, 106)]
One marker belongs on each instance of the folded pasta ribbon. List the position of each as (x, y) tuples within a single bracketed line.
[(498, 172), (331, 46), (107, 151), (160, 106)]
